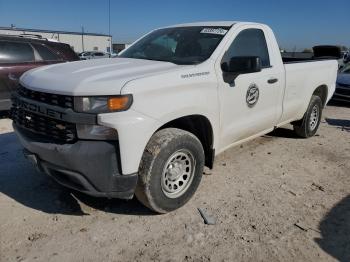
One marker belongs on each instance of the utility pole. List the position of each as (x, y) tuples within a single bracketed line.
[(82, 38), (294, 50), (109, 26), (109, 17)]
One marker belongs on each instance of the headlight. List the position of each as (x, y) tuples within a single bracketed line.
[(95, 132), (102, 104)]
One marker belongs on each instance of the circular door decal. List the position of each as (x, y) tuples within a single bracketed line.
[(252, 96)]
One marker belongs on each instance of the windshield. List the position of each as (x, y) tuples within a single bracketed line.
[(179, 45)]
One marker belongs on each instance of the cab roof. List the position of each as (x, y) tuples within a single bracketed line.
[(208, 23)]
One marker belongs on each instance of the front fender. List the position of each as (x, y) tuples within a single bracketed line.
[(134, 131)]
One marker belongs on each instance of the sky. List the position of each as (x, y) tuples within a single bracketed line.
[(297, 24)]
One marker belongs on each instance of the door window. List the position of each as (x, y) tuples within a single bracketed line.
[(249, 42), (15, 52)]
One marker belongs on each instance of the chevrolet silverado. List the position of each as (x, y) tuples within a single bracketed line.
[(148, 121)]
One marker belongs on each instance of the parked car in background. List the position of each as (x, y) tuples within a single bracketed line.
[(93, 55), (347, 57), (342, 90), (21, 53)]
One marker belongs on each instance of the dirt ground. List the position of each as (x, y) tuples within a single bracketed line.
[(277, 198)]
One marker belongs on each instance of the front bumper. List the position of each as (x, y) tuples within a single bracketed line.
[(91, 167)]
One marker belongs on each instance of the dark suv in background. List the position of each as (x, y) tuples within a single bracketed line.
[(21, 53)]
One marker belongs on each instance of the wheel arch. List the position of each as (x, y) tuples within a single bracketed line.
[(322, 92), (199, 126)]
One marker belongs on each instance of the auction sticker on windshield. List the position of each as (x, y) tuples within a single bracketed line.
[(215, 31)]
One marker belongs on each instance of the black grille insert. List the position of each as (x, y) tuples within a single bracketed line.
[(52, 129), (51, 99)]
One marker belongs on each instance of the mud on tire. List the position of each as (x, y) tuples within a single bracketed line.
[(308, 125), (170, 170)]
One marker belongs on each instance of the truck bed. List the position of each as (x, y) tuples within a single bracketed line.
[(300, 76), (303, 58)]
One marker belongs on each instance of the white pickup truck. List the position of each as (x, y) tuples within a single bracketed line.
[(148, 121)]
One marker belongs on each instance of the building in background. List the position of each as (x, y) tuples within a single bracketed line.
[(79, 41), (117, 48)]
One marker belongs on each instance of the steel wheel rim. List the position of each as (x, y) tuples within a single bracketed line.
[(314, 117), (178, 173)]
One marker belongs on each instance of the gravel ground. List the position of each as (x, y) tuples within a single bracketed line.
[(277, 198)]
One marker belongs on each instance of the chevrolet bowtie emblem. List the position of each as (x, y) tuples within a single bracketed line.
[(60, 127)]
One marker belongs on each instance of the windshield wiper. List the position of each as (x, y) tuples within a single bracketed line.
[(176, 62), (161, 60)]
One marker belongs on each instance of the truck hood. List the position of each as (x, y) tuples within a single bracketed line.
[(92, 77)]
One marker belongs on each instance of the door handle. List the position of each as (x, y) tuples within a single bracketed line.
[(272, 80)]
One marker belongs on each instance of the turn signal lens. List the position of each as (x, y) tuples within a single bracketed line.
[(119, 103)]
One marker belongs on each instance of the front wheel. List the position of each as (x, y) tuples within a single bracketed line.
[(308, 125), (170, 171)]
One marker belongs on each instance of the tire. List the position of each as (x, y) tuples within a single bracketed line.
[(170, 170), (308, 125)]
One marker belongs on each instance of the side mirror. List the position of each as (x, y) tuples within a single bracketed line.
[(240, 65)]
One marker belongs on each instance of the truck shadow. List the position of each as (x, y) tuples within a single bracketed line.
[(335, 231), (342, 124), (283, 132), (20, 181)]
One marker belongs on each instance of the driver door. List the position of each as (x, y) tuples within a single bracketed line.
[(249, 104)]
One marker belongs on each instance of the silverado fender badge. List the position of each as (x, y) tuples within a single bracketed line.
[(195, 74), (252, 96)]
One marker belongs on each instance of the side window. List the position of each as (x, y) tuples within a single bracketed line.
[(15, 52), (45, 53), (250, 42)]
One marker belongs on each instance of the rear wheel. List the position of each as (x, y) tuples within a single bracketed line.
[(170, 171), (308, 125)]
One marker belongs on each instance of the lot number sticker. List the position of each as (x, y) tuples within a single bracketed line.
[(215, 31)]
